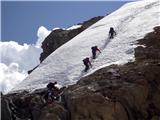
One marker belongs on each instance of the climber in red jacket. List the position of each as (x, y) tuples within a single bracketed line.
[(94, 50)]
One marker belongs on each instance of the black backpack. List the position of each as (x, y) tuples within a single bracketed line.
[(86, 60), (111, 30), (94, 48), (50, 85)]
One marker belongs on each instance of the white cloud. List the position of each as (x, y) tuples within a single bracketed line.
[(42, 34), (27, 56), (16, 60), (10, 76)]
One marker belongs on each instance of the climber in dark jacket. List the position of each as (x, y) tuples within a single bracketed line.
[(52, 92), (51, 85), (94, 50), (112, 33), (87, 63)]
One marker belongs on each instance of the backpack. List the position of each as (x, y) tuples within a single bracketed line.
[(86, 60), (94, 48), (112, 30), (50, 85)]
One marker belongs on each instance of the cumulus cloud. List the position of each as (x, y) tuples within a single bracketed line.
[(10, 76), (16, 60), (27, 56), (42, 34)]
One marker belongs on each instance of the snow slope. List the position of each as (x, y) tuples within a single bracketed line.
[(74, 27), (132, 22)]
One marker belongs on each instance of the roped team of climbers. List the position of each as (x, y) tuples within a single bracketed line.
[(87, 61), (53, 92)]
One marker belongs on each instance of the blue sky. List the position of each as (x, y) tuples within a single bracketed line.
[(20, 20)]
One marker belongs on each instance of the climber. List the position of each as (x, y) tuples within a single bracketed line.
[(51, 85), (87, 63), (112, 33), (94, 50), (52, 92)]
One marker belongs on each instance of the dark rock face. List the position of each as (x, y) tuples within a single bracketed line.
[(126, 92), (152, 43), (5, 110), (32, 106), (59, 37)]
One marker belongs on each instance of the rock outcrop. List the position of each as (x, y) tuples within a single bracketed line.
[(125, 92), (5, 110), (58, 37)]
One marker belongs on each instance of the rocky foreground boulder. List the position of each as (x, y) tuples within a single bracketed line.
[(125, 92)]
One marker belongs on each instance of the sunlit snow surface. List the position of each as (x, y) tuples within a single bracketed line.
[(131, 22), (74, 27)]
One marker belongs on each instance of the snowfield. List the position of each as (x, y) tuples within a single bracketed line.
[(74, 27), (131, 22)]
